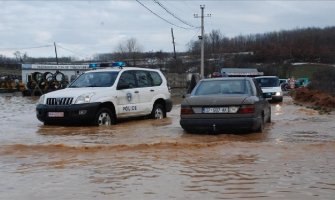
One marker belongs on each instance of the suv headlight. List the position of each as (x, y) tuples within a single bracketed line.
[(85, 98), (41, 100)]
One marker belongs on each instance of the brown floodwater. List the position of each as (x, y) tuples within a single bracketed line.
[(294, 158)]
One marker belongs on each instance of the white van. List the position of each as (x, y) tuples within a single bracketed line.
[(102, 96), (271, 88)]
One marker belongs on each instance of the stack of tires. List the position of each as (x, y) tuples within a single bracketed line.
[(47, 81)]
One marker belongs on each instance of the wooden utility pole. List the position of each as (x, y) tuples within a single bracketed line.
[(174, 45), (56, 52)]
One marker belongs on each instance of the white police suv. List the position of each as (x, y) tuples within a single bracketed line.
[(102, 96)]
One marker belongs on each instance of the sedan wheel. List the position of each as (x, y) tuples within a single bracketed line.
[(269, 118), (260, 127)]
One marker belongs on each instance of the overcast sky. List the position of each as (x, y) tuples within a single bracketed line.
[(84, 28)]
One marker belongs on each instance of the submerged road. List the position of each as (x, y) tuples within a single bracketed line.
[(293, 158)]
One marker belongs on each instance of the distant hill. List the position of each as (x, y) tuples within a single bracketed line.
[(299, 45), (279, 48)]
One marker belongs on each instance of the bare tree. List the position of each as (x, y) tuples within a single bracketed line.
[(129, 49), (20, 57), (215, 37), (297, 45)]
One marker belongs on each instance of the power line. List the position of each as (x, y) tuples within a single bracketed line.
[(180, 8), (160, 16), (196, 34), (172, 14), (74, 52), (43, 46), (24, 48)]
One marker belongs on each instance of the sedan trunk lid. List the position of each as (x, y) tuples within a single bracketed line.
[(214, 100)]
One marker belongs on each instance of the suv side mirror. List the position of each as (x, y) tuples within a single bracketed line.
[(122, 86)]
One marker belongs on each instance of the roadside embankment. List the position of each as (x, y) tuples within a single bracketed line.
[(321, 101)]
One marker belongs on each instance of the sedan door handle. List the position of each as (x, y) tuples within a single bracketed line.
[(152, 90), (136, 92)]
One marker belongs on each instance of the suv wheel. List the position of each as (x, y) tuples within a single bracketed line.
[(104, 117), (158, 112)]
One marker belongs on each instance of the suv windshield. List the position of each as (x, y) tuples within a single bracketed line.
[(95, 79), (268, 82)]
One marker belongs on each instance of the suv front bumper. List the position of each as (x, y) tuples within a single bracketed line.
[(67, 114)]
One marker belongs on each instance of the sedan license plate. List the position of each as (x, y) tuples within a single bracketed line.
[(215, 110), (56, 114)]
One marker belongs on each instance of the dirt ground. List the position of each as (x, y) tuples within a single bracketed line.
[(321, 101)]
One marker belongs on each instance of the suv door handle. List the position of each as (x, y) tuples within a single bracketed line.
[(136, 92), (152, 90)]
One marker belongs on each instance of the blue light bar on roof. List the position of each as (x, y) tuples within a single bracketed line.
[(93, 65), (119, 64), (107, 64)]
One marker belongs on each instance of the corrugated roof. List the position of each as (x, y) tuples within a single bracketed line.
[(241, 72), (238, 70)]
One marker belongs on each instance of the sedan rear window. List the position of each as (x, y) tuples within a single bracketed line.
[(219, 87)]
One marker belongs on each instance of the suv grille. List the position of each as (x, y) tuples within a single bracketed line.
[(59, 101)]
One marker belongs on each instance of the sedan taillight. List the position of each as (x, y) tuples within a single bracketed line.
[(186, 110), (247, 109)]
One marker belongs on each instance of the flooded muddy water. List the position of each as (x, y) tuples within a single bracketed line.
[(293, 158)]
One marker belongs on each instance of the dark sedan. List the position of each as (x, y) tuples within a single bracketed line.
[(224, 105)]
